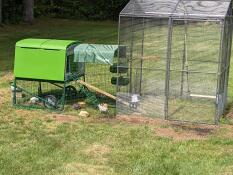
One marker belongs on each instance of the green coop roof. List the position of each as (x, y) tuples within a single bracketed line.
[(45, 44)]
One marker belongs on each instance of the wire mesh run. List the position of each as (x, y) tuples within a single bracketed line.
[(54, 95), (177, 65), (39, 94)]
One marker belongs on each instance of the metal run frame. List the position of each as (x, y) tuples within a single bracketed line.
[(222, 74)]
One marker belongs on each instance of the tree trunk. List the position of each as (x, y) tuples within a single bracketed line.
[(0, 12), (28, 15)]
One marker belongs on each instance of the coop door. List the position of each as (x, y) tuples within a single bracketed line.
[(193, 70)]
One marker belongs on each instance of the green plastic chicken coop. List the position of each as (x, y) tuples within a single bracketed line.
[(46, 71)]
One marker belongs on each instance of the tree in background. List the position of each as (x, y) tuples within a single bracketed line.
[(0, 12), (80, 9), (15, 11), (28, 11)]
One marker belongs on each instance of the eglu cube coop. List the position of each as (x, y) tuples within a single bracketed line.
[(51, 73), (178, 56)]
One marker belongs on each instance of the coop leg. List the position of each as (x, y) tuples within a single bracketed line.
[(39, 90), (63, 98), (14, 93), (84, 76)]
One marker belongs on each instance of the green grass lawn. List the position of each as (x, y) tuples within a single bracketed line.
[(41, 142)]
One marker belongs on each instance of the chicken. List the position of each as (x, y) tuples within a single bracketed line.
[(103, 107), (34, 100), (15, 89)]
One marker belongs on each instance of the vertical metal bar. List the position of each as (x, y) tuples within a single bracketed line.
[(186, 58), (14, 93), (131, 55), (183, 66), (169, 48), (229, 36), (142, 55), (225, 72), (40, 89), (118, 60), (63, 98), (217, 115), (84, 70), (229, 57)]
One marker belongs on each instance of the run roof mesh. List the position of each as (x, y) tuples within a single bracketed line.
[(177, 8)]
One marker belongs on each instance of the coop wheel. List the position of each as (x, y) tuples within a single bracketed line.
[(50, 101), (71, 92)]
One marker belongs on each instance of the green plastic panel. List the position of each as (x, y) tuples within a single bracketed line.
[(41, 59), (57, 44), (31, 43)]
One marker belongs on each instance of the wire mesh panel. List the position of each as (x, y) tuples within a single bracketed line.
[(150, 8), (38, 94), (202, 8), (146, 46), (99, 75), (194, 70), (178, 59)]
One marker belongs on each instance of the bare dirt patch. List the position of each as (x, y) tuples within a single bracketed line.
[(137, 119), (171, 129), (200, 129), (181, 135), (61, 118)]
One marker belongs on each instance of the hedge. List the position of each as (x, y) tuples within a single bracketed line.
[(85, 9), (76, 9)]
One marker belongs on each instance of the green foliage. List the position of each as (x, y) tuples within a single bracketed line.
[(12, 11), (72, 9), (94, 10), (86, 32)]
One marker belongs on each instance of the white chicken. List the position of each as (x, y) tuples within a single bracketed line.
[(34, 100), (103, 107), (15, 89)]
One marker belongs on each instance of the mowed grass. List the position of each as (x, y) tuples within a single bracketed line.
[(41, 142), (92, 32)]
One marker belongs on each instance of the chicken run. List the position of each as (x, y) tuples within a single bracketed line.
[(52, 73), (172, 61), (178, 54)]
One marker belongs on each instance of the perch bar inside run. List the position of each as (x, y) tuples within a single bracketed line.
[(202, 96), (102, 92), (97, 90)]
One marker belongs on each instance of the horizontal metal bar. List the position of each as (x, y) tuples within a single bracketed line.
[(203, 96), (172, 70), (175, 17)]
